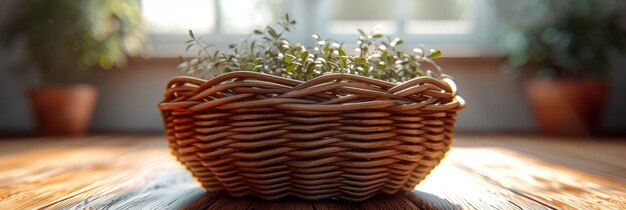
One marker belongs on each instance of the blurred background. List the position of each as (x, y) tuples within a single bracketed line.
[(553, 67)]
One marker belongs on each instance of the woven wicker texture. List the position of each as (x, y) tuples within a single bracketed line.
[(338, 135)]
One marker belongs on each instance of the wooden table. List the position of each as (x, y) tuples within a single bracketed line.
[(480, 172)]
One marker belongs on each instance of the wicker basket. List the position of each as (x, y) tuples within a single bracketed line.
[(340, 136)]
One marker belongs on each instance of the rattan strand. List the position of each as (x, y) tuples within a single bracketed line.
[(338, 135)]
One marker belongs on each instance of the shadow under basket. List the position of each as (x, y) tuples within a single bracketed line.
[(336, 136)]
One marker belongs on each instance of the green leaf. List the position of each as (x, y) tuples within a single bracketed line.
[(341, 52), (291, 67), (288, 58), (258, 31), (361, 32), (384, 54), (310, 69), (360, 60), (272, 32), (304, 55), (377, 35), (435, 54)]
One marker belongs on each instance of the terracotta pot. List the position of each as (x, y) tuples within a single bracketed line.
[(63, 110), (567, 107)]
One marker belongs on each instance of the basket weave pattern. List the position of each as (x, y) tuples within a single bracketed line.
[(338, 135)]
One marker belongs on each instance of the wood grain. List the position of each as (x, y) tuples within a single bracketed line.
[(480, 172)]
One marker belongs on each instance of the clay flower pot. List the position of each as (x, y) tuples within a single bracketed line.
[(567, 107), (64, 109)]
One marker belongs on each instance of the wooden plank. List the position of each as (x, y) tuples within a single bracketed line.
[(486, 172), (605, 157), (457, 189), (555, 186), (38, 177), (22, 144)]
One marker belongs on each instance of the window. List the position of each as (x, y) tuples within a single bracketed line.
[(417, 16), (457, 24), (210, 16), (438, 17), (176, 17), (243, 16), (350, 15)]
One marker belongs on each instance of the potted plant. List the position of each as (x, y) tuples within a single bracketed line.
[(277, 118), (64, 38), (564, 47)]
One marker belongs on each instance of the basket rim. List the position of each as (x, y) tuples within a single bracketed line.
[(447, 83), (229, 75)]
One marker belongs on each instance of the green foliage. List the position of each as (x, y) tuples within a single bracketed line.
[(267, 51), (66, 36), (562, 38)]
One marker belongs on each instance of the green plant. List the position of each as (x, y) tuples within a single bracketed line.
[(64, 37), (267, 51), (562, 38)]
